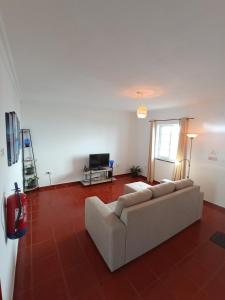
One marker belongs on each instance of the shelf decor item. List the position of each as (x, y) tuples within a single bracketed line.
[(111, 162), (27, 142), (29, 170), (32, 182), (86, 169)]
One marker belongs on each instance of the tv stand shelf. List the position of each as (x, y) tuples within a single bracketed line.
[(97, 176)]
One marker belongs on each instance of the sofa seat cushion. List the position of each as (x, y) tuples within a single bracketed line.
[(183, 183), (162, 189), (131, 199), (135, 187)]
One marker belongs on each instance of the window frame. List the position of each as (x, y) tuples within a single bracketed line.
[(158, 141)]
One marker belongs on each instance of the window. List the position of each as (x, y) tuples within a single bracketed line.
[(167, 136)]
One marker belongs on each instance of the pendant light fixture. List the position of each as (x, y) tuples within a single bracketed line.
[(142, 110)]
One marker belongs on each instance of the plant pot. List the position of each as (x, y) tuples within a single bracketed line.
[(29, 171), (134, 175), (32, 184)]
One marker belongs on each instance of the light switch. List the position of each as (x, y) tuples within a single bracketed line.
[(214, 158)]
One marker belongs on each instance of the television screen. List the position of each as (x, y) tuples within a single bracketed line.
[(98, 160)]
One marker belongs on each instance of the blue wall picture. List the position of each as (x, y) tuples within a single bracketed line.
[(12, 137)]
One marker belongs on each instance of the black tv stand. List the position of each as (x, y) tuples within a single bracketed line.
[(98, 168), (98, 175)]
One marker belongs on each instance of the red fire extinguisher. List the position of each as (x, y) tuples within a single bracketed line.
[(16, 214)]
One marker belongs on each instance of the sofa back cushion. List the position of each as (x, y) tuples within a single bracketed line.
[(132, 199), (183, 183), (152, 222), (162, 189)]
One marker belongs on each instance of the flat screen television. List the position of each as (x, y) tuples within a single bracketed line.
[(98, 160)]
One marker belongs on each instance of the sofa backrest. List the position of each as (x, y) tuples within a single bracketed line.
[(183, 183), (162, 189), (169, 187), (150, 193), (131, 199)]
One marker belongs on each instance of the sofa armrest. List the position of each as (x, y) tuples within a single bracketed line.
[(200, 207), (107, 232), (166, 180)]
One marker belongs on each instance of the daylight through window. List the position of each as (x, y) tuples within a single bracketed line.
[(167, 136)]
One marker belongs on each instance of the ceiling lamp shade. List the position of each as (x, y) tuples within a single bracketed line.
[(192, 135), (142, 111)]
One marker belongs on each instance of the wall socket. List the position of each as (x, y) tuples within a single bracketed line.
[(49, 175)]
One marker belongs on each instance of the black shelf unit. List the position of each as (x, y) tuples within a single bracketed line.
[(28, 161)]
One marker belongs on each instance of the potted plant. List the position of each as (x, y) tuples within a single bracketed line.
[(32, 182), (29, 170), (135, 171)]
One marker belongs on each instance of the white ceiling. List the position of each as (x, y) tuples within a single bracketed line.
[(92, 51)]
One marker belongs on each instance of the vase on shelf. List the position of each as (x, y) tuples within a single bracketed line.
[(111, 162), (27, 142)]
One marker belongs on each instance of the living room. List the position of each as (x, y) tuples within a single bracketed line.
[(78, 74)]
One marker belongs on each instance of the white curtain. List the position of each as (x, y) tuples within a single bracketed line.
[(180, 165), (151, 157)]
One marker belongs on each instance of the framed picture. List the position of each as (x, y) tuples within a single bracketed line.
[(12, 137)]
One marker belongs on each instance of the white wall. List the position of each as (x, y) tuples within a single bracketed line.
[(142, 141), (209, 123), (163, 169), (8, 175), (64, 135)]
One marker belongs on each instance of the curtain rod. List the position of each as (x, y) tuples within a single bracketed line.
[(170, 120)]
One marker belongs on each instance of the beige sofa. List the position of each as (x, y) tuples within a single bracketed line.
[(139, 221)]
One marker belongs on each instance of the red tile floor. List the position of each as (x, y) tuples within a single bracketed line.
[(58, 260)]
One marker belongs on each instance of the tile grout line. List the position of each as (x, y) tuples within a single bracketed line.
[(202, 288), (213, 275), (89, 262), (125, 278), (61, 266), (161, 277), (190, 253), (134, 288), (31, 250)]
